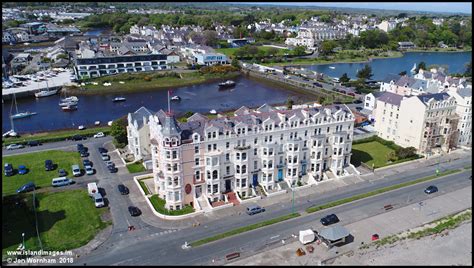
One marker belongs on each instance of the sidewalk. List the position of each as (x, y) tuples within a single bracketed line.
[(301, 195), (385, 224)]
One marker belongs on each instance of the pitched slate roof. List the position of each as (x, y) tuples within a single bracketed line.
[(391, 98), (139, 114), (437, 96)]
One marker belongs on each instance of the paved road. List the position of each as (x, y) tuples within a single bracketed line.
[(166, 249)]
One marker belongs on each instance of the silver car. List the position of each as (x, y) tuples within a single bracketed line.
[(15, 146)]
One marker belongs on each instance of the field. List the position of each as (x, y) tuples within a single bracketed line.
[(36, 172), (66, 220), (229, 52), (370, 153)]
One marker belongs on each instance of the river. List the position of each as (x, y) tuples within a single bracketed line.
[(456, 62), (197, 98)]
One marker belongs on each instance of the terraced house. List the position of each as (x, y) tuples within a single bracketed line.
[(264, 149)]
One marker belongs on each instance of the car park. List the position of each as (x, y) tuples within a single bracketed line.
[(33, 143), (134, 211), (329, 219), (30, 186), (76, 171), (431, 189), (8, 169), (15, 146), (254, 210), (62, 173), (123, 189), (48, 165), (22, 170), (61, 181), (89, 170)]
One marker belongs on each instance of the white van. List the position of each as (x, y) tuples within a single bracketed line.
[(62, 181), (76, 171), (98, 200), (92, 188)]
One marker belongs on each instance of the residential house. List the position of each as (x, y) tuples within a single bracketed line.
[(138, 134), (463, 98)]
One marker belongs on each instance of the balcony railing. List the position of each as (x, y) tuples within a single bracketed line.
[(241, 148)]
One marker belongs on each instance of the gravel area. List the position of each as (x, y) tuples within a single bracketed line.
[(455, 248)]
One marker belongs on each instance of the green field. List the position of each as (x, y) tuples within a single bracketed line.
[(66, 220), (36, 172), (229, 52), (55, 136), (370, 153), (137, 82)]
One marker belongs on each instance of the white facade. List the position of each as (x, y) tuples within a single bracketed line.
[(464, 111), (138, 134), (387, 26)]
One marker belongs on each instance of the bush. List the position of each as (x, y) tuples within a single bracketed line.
[(405, 152), (147, 78), (299, 183)]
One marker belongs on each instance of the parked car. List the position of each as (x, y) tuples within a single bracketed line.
[(134, 211), (22, 170), (112, 169), (105, 156), (358, 108), (77, 138), (351, 94), (84, 153), (48, 165), (76, 171), (15, 146), (102, 150), (89, 170), (87, 162), (30, 186), (61, 181), (62, 173), (123, 189), (431, 189), (357, 101), (110, 163), (8, 169), (329, 219), (98, 200), (254, 210), (317, 84), (99, 135), (33, 143)]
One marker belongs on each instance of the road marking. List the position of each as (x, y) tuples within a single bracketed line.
[(276, 236)]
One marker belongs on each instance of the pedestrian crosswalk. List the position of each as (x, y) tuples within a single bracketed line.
[(165, 232)]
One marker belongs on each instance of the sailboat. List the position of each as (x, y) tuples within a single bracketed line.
[(68, 101), (46, 93), (19, 115), (11, 132), (413, 70)]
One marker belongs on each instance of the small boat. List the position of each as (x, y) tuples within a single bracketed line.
[(45, 93), (68, 103), (72, 98), (176, 98), (109, 123), (97, 123), (332, 67), (22, 115), (213, 111), (69, 107), (117, 99), (228, 83), (81, 127)]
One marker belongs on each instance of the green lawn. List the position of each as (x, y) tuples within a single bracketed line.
[(136, 82), (66, 220), (35, 164), (159, 205), (229, 52), (144, 187), (136, 167), (55, 136), (370, 153)]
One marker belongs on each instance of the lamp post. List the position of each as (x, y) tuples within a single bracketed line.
[(293, 199), (23, 237)]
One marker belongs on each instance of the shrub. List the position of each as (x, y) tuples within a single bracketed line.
[(405, 152), (147, 78), (392, 156), (299, 183)]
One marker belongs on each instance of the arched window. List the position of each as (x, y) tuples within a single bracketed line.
[(169, 181)]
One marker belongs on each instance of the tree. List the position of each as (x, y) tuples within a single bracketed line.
[(421, 65), (468, 71), (327, 46), (344, 78), (210, 38), (272, 51), (403, 153), (365, 73), (118, 130), (235, 63), (289, 103), (299, 51), (402, 73)]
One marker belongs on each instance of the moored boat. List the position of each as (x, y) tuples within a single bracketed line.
[(228, 83), (118, 99), (213, 111), (176, 98), (22, 115), (69, 107), (46, 93)]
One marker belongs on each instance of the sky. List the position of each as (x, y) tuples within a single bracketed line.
[(457, 7)]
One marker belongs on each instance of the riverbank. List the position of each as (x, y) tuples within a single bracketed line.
[(149, 81), (438, 49)]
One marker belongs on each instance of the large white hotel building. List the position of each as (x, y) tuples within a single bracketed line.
[(210, 158)]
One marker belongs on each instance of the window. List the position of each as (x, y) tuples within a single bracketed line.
[(215, 146), (168, 154), (227, 157), (244, 156), (255, 151), (255, 141), (281, 136), (196, 149), (175, 154), (244, 169), (196, 161), (209, 147), (227, 145), (255, 164), (227, 170)]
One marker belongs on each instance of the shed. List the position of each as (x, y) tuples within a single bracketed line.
[(333, 235)]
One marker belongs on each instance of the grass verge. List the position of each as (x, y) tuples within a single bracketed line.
[(243, 229), (145, 189), (44, 137), (36, 172), (66, 220), (378, 191), (136, 167), (159, 205)]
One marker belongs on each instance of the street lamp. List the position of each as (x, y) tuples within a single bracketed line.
[(293, 198), (23, 236)]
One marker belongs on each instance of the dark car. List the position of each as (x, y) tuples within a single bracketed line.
[(33, 143), (84, 153), (123, 189), (357, 101), (134, 211), (431, 189), (254, 210), (358, 108), (48, 165), (77, 138), (22, 170), (112, 169), (102, 150), (87, 162), (80, 147), (62, 173), (8, 169), (26, 188), (329, 219), (317, 84)]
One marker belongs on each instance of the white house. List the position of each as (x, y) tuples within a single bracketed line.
[(138, 134)]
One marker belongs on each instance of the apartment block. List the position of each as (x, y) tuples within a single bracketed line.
[(463, 98)]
